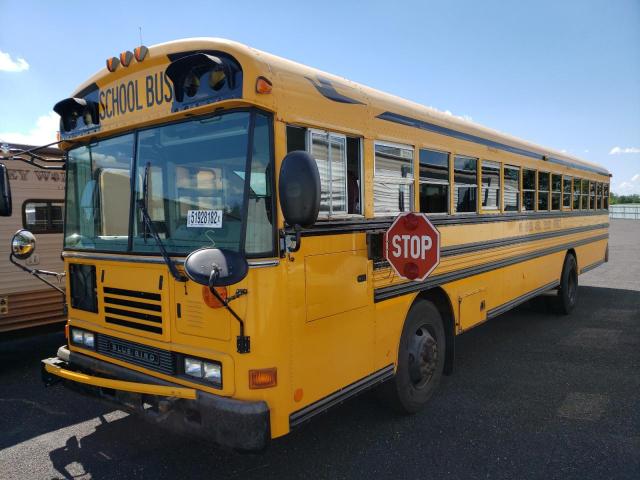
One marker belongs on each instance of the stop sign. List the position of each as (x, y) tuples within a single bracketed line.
[(412, 246)]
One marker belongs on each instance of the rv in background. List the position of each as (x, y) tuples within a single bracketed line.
[(38, 206)]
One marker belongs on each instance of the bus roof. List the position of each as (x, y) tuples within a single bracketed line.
[(381, 104)]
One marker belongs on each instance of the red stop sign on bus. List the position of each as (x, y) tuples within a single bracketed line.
[(412, 246)]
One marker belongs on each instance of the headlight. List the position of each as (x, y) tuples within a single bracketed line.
[(83, 338), (193, 367), (212, 372), (89, 339), (76, 336), (208, 371)]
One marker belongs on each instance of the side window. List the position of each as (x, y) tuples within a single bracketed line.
[(434, 181), (43, 216), (543, 191), (605, 203), (511, 188), (465, 193), (259, 240), (490, 185), (528, 190), (339, 164), (599, 193), (393, 179), (566, 192), (576, 193), (592, 195), (556, 191), (584, 194)]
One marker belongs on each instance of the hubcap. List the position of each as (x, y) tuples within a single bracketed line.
[(423, 357)]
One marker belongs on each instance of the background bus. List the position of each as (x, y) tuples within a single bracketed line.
[(38, 204)]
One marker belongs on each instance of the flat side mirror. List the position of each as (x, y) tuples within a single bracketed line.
[(23, 244), (215, 267), (299, 189), (6, 208)]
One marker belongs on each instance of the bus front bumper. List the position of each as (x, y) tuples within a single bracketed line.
[(237, 424)]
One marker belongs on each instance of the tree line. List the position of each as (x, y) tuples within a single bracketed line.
[(620, 199)]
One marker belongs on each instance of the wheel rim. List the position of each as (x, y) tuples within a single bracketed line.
[(423, 357)]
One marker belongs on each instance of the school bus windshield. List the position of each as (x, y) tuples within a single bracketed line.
[(196, 179)]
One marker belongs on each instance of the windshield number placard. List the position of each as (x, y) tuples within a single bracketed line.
[(204, 219)]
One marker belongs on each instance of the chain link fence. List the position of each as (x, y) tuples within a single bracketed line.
[(631, 212)]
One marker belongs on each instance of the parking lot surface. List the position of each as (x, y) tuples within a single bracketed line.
[(534, 395)]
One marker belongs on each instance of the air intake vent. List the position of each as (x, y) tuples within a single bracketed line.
[(133, 309), (82, 279)]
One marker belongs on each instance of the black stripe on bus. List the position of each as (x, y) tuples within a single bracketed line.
[(501, 242), (432, 127), (132, 314), (592, 266), (131, 303), (336, 227), (494, 312), (134, 325), (392, 291), (132, 293), (296, 418)]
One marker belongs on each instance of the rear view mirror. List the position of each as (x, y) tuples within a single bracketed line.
[(299, 189), (5, 192), (215, 267), (23, 244)]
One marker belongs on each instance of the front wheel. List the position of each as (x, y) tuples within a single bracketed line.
[(567, 297), (421, 356)]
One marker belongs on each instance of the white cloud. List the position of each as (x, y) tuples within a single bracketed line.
[(44, 132), (629, 186), (619, 151), (7, 64)]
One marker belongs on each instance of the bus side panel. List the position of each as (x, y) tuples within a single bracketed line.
[(591, 254), (390, 315)]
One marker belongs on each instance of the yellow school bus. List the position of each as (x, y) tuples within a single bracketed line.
[(225, 216)]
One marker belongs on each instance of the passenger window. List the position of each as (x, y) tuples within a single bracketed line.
[(605, 204), (592, 195), (556, 191), (465, 198), (584, 194), (566, 192), (528, 190), (599, 193), (490, 185), (434, 181), (543, 191), (339, 163), (511, 188), (393, 179), (576, 193), (43, 216)]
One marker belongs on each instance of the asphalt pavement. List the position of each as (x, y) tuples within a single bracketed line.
[(534, 395)]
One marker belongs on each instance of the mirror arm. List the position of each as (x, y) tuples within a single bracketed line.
[(243, 342), (36, 273)]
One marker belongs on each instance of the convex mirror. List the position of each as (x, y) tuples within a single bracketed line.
[(215, 267), (23, 244), (299, 189), (5, 192)]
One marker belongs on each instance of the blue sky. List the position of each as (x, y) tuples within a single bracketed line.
[(565, 74)]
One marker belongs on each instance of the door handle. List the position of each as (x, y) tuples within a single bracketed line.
[(362, 278)]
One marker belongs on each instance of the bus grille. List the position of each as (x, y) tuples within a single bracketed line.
[(119, 305), (152, 358)]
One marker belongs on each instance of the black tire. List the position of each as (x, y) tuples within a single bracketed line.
[(567, 298), (422, 339)]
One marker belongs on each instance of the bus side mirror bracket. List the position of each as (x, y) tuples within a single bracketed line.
[(299, 190), (6, 208)]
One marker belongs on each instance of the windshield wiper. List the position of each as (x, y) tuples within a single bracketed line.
[(142, 205)]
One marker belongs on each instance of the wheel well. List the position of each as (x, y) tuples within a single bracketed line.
[(441, 300)]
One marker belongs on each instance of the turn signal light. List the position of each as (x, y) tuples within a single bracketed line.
[(263, 378), (263, 85), (210, 299)]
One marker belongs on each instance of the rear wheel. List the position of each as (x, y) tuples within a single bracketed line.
[(567, 297), (421, 357)]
